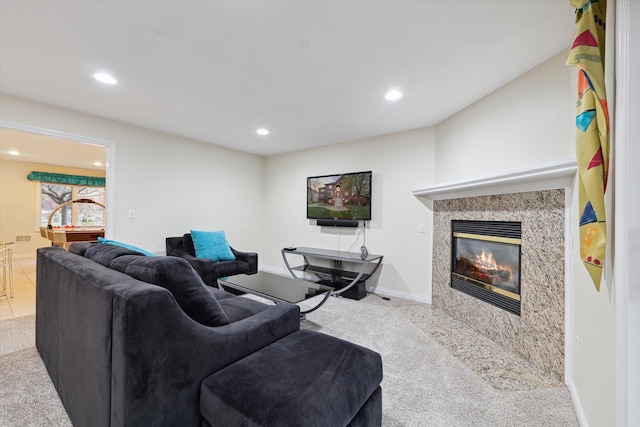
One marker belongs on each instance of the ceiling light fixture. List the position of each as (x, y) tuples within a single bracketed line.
[(105, 78), (393, 95), (262, 131), (14, 153)]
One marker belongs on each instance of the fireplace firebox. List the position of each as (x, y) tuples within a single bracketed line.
[(485, 261)]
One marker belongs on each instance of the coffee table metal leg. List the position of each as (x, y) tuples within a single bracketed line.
[(303, 314)]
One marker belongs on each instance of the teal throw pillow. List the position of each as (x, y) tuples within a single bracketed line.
[(125, 245), (212, 245)]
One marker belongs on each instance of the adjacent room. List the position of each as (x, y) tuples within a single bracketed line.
[(319, 213)]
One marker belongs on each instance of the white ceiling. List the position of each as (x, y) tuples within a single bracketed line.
[(312, 72), (49, 150)]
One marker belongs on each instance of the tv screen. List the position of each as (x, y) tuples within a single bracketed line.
[(343, 196)]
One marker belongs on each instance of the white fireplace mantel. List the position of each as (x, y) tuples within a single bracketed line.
[(537, 178)]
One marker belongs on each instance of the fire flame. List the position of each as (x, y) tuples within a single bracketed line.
[(487, 261)]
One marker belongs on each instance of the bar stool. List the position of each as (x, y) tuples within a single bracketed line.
[(6, 262)]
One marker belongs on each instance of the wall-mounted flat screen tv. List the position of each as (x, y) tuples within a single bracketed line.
[(343, 196)]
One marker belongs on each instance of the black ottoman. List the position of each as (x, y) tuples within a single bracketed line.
[(304, 379)]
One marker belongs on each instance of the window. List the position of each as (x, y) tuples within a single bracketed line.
[(82, 214), (57, 189)]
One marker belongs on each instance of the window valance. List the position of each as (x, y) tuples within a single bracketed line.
[(60, 178)]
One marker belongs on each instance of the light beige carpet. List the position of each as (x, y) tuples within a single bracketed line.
[(425, 384), (430, 379), (27, 395)]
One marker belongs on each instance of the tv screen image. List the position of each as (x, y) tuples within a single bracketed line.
[(342, 196)]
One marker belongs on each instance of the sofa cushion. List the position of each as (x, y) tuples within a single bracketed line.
[(177, 276), (104, 253), (305, 378), (220, 294), (125, 245), (79, 248), (240, 308), (212, 245)]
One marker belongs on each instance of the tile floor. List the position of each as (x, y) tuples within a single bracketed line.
[(23, 302)]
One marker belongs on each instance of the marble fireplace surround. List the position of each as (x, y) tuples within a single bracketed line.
[(537, 198)]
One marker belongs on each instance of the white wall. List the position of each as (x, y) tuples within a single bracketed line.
[(529, 122), (627, 204), (173, 184), (524, 123), (593, 314), (399, 162)]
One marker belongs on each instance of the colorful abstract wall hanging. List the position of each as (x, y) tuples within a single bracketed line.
[(592, 132)]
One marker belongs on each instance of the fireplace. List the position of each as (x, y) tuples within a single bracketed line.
[(485, 261), (537, 334)]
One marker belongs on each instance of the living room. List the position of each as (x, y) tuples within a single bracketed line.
[(259, 200)]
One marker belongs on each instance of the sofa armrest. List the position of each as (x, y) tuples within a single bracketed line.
[(160, 355), (250, 258)]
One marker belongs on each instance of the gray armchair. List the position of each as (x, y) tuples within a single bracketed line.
[(210, 271)]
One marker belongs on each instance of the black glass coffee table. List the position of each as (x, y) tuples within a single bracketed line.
[(277, 288)]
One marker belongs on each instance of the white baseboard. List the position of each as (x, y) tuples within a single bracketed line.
[(577, 406), (396, 294)]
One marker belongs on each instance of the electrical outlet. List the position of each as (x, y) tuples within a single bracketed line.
[(422, 228), (132, 214)]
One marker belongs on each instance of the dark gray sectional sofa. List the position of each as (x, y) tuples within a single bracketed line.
[(129, 340)]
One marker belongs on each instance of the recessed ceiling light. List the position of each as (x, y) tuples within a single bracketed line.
[(393, 95), (97, 163), (105, 78), (262, 131), (14, 153)]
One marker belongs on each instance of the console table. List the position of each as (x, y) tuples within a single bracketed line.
[(345, 272)]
